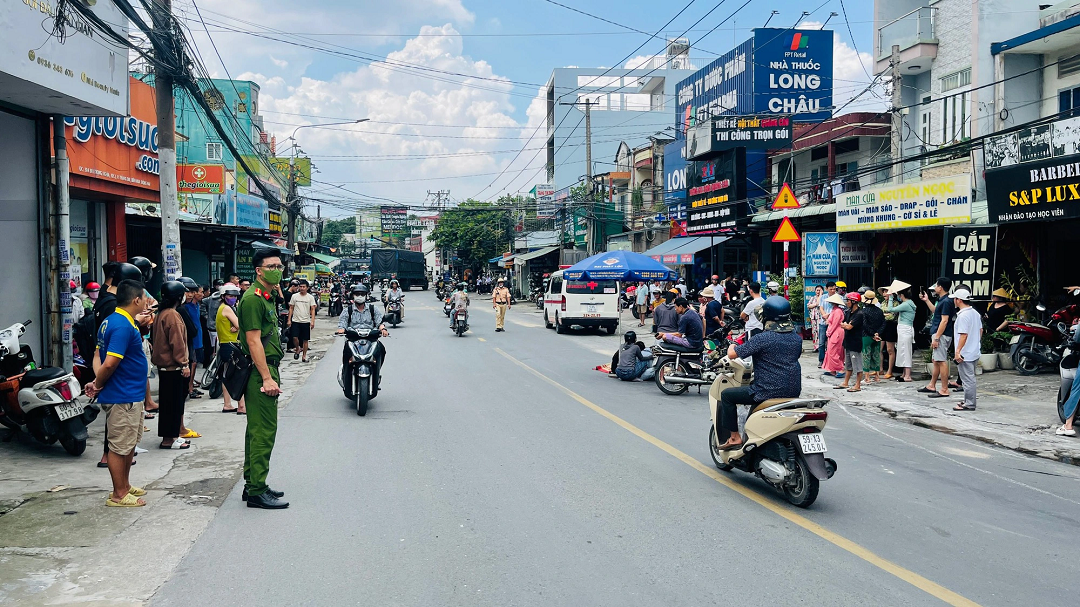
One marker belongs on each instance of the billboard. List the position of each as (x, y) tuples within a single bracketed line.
[(793, 73), (302, 166), (545, 199), (916, 204), (235, 209), (200, 178), (725, 86), (821, 254), (716, 192), (120, 150), (393, 220), (728, 132), (675, 180)]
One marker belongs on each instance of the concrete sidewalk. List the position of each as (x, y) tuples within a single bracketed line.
[(1014, 411), (59, 544)]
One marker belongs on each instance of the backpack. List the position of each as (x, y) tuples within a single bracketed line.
[(371, 311), (84, 334)]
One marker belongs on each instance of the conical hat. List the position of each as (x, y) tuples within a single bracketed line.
[(835, 298), (897, 286)]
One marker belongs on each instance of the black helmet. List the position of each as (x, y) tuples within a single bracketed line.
[(776, 309), (361, 289), (173, 291), (145, 266), (126, 271), (188, 283), (629, 337)]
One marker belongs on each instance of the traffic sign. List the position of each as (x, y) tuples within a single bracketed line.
[(785, 199), (786, 232)]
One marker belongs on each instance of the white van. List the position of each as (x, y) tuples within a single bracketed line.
[(583, 303)]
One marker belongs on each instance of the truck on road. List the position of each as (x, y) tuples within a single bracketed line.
[(406, 266)]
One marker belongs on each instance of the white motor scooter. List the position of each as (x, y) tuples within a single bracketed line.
[(43, 402)]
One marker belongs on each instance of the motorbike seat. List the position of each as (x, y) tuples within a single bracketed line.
[(35, 376), (768, 403), (678, 348)]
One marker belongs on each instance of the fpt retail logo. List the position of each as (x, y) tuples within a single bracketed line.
[(799, 42)]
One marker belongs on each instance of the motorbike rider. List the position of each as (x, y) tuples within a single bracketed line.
[(362, 317), (776, 353), (395, 292), (459, 301)]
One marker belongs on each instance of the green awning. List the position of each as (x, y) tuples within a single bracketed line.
[(321, 269), (321, 257)]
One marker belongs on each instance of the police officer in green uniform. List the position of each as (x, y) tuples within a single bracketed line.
[(257, 313)]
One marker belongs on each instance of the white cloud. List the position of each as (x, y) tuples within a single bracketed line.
[(279, 62), (638, 61)]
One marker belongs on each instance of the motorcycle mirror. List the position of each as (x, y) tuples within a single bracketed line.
[(1076, 292), (1040, 308)]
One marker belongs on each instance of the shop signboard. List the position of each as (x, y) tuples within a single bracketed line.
[(245, 255), (727, 132), (119, 150), (675, 180), (200, 178), (821, 254), (716, 192), (82, 74), (793, 73), (393, 220), (970, 253), (854, 252), (274, 222), (545, 199), (235, 209), (1055, 140), (909, 205), (1034, 191), (723, 87), (300, 167)]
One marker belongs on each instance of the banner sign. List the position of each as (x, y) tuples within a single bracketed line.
[(716, 192), (200, 178), (120, 150), (1035, 191), (854, 253), (756, 132), (675, 174), (793, 73), (821, 254), (908, 205), (970, 253), (301, 167), (235, 209)]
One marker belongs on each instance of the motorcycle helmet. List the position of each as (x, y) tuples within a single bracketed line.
[(126, 271), (776, 309), (629, 337), (853, 297), (145, 266), (231, 289), (188, 283), (172, 291), (463, 286), (841, 284), (394, 283), (92, 286)]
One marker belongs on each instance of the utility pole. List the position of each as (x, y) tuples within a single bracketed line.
[(170, 202), (291, 204), (441, 198), (590, 222), (58, 297), (897, 119)]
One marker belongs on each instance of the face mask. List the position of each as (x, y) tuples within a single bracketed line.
[(272, 277), (359, 298), (93, 295), (230, 301)]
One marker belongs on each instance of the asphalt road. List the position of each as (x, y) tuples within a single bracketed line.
[(501, 469)]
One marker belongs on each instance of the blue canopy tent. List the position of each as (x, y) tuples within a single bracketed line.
[(619, 265)]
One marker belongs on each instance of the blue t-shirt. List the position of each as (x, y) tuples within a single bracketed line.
[(713, 309), (193, 311), (118, 336), (690, 327), (776, 364)]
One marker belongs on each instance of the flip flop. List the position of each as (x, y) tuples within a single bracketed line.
[(963, 408), (228, 410), (925, 390), (938, 395), (241, 412), (191, 434), (149, 415), (129, 501), (102, 465), (839, 387), (854, 389)]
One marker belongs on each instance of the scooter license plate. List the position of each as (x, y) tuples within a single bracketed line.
[(812, 443), (67, 411)]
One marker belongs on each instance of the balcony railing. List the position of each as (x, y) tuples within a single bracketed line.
[(675, 63), (908, 30)]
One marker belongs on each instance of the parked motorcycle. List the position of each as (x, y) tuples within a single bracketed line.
[(782, 441), (359, 378), (677, 370), (43, 402), (461, 322), (395, 311), (1036, 346), (211, 378)]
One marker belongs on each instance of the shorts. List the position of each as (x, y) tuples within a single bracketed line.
[(941, 352), (198, 356), (123, 426), (301, 331), (853, 361)]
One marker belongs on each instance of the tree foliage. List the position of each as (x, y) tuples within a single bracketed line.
[(476, 231), (333, 230)]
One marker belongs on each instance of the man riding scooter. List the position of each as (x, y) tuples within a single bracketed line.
[(776, 353), (362, 317), (395, 293), (459, 301)]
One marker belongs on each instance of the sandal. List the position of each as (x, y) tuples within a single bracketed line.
[(193, 396), (149, 414), (129, 501), (926, 390), (963, 407), (839, 387), (137, 491), (233, 410), (938, 395), (178, 443), (729, 446), (1063, 431), (241, 412), (191, 434), (854, 389)]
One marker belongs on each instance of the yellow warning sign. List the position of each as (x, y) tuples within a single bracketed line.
[(785, 199), (786, 232)]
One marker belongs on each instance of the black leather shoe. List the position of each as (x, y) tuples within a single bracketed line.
[(277, 494), (267, 501)]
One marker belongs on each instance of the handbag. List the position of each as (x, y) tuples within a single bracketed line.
[(235, 372)]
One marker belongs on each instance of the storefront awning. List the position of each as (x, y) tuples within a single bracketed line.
[(322, 257), (680, 251), (663, 247), (523, 257), (807, 211)]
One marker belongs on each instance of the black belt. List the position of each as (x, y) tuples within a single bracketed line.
[(273, 362)]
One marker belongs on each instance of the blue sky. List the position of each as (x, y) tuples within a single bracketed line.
[(508, 48)]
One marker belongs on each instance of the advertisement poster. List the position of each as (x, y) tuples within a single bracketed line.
[(808, 292), (821, 254), (300, 167), (200, 178), (1034, 191), (793, 73), (854, 252), (234, 209), (970, 253), (716, 193), (727, 132), (908, 205)]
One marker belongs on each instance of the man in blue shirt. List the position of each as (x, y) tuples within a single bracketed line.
[(120, 386), (776, 352), (689, 334), (714, 310)]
